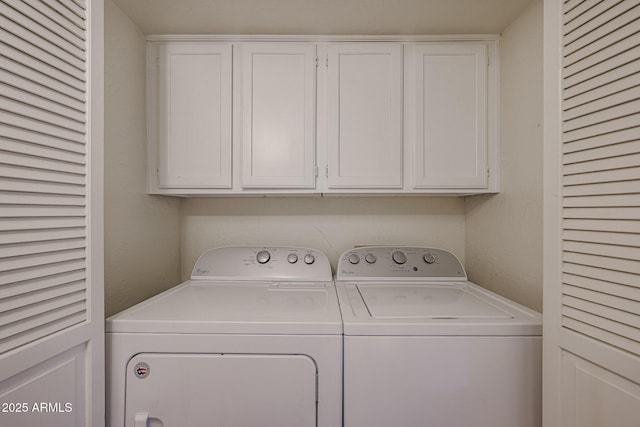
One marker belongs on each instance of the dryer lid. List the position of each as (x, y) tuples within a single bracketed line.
[(433, 301)]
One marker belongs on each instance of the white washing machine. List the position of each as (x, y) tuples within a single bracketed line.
[(253, 339), (423, 346)]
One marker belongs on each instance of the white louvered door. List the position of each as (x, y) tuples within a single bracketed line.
[(51, 267), (592, 272)]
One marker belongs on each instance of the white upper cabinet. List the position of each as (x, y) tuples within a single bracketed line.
[(364, 103), (450, 116), (193, 115), (231, 115), (278, 115)]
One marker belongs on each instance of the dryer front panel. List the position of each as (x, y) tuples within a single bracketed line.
[(194, 390)]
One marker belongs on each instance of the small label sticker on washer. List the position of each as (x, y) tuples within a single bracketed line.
[(141, 370)]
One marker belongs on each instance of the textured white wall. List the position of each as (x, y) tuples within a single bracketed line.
[(504, 232), (330, 224), (142, 233)]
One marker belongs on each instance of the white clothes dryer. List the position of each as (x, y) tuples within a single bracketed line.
[(253, 339), (423, 346)]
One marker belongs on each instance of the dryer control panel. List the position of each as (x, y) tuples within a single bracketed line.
[(404, 263), (272, 263)]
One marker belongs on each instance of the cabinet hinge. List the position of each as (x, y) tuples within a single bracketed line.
[(326, 61), (316, 171), (488, 173), (317, 62), (326, 171)]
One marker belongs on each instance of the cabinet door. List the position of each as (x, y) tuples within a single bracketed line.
[(194, 115), (365, 115), (450, 148), (278, 140)]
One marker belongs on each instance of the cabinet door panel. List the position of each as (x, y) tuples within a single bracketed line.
[(278, 115), (365, 115), (450, 116), (194, 115)]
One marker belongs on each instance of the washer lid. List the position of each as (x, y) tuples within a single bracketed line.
[(431, 309), (451, 301), (236, 308)]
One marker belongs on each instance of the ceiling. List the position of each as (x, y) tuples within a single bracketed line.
[(327, 17)]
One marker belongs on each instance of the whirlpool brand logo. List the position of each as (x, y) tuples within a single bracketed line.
[(141, 370)]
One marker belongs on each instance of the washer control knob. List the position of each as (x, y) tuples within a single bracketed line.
[(354, 258), (309, 259), (292, 258), (429, 258), (263, 257), (370, 258), (399, 257)]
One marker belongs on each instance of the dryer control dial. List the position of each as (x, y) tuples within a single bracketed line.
[(263, 256), (354, 258), (292, 258), (309, 259), (370, 258), (399, 257)]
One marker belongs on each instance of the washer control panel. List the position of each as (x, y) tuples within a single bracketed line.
[(399, 262), (273, 263)]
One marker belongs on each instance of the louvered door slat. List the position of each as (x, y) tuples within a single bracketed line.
[(604, 201), (41, 127), (21, 309), (583, 72), (601, 140), (41, 235), (41, 115), (47, 325), (33, 101), (64, 12), (34, 260), (29, 58), (620, 239), (59, 19), (42, 187), (630, 213), (40, 14), (33, 162), (36, 23), (41, 247), (75, 8), (597, 37), (573, 12), (15, 198), (22, 211), (602, 274), (35, 151), (19, 135), (29, 274), (611, 175), (620, 187), (42, 46), (628, 161), (43, 283), (604, 287), (593, 154), (609, 88), (596, 18), (615, 226), (620, 99), (32, 74), (70, 106), (626, 122), (610, 251), (20, 172), (592, 297), (10, 224)]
